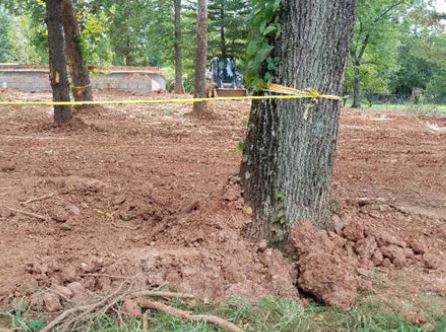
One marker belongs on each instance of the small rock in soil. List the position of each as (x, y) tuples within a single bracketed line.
[(68, 273), (59, 215), (365, 248), (132, 308), (78, 289), (386, 239), (419, 246), (396, 254), (8, 167), (262, 245), (65, 291), (387, 263), (51, 302), (73, 209), (231, 195), (377, 258), (431, 261), (353, 231)]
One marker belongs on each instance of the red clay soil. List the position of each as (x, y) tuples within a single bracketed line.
[(150, 192)]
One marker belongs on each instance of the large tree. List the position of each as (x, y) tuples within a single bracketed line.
[(57, 62), (288, 161), (179, 88), (201, 56), (80, 77)]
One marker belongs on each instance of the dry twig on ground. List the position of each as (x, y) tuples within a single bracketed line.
[(29, 214), (74, 319), (38, 199)]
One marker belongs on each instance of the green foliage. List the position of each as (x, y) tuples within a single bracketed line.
[(18, 321), (265, 25), (437, 85), (372, 82), (5, 27)]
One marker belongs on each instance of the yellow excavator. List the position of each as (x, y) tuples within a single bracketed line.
[(223, 79)]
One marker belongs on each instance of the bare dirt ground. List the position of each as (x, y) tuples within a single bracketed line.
[(149, 193)]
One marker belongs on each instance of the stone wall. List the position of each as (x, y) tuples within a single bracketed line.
[(129, 79)]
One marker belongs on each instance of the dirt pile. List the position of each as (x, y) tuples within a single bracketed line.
[(332, 265)]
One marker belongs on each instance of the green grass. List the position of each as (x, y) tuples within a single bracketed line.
[(270, 314), (422, 109)]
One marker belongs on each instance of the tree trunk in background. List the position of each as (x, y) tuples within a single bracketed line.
[(201, 56), (222, 31), (57, 63), (179, 88), (356, 87), (80, 76), (288, 161)]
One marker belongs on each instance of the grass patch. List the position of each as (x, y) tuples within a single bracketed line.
[(270, 314), (419, 109)]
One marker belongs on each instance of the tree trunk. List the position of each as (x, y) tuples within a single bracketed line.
[(179, 88), (201, 56), (80, 76), (288, 161), (222, 31), (356, 87), (57, 63)]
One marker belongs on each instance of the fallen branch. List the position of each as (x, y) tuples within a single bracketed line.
[(72, 319), (126, 227), (224, 324), (38, 199), (85, 309), (98, 275), (29, 214)]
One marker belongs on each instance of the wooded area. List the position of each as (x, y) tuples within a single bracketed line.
[(284, 185)]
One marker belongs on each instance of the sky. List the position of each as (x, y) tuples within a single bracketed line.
[(440, 5)]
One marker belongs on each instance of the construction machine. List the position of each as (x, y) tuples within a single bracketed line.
[(223, 79)]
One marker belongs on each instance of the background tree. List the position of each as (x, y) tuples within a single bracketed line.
[(57, 63), (80, 76), (201, 56), (290, 147), (376, 22), (229, 28), (179, 88)]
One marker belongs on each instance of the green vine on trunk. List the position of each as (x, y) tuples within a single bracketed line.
[(262, 65)]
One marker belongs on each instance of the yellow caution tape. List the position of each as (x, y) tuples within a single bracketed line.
[(286, 94)]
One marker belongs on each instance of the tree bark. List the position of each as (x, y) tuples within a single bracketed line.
[(290, 147), (80, 76), (57, 63), (222, 31), (201, 56), (356, 87), (179, 88)]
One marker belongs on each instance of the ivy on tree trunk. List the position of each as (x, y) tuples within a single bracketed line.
[(57, 64), (290, 148), (80, 76)]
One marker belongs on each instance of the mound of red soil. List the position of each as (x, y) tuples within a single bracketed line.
[(331, 265)]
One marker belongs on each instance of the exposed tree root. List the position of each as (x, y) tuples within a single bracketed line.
[(224, 324)]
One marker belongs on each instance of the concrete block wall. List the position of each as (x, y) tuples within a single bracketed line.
[(35, 79)]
